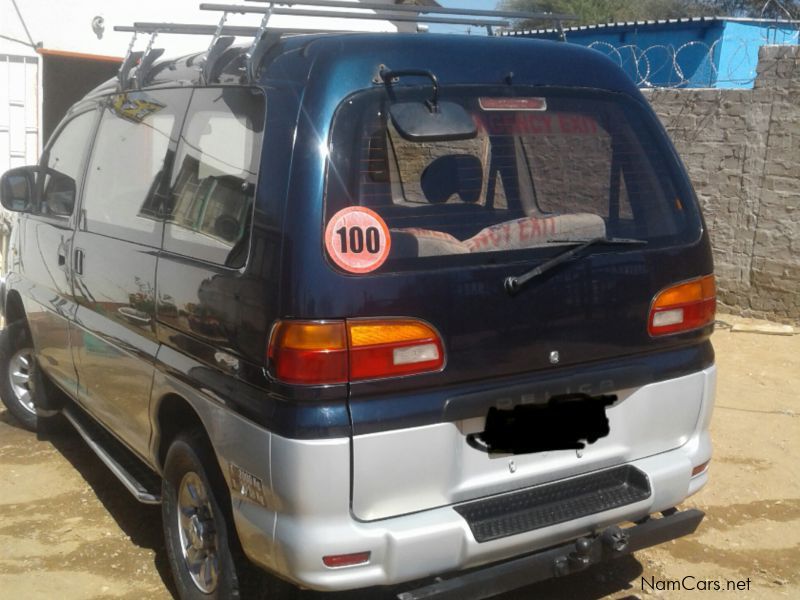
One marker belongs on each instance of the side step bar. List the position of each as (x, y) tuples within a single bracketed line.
[(562, 560), (137, 478)]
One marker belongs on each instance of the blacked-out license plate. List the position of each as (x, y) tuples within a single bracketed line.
[(564, 423)]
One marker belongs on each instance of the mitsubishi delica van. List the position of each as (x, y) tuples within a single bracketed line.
[(361, 310)]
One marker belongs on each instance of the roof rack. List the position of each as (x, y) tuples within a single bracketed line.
[(474, 21), (264, 36), (418, 9), (198, 29)]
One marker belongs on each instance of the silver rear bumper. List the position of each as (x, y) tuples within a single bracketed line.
[(306, 513)]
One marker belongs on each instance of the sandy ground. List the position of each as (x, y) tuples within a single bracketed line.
[(69, 530)]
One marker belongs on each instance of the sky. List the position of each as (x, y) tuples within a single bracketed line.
[(471, 4)]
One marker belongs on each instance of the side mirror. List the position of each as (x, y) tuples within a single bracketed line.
[(442, 122), (17, 189)]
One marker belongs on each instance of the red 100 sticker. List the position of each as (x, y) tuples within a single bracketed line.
[(357, 239)]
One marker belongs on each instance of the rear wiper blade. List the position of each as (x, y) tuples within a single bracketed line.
[(610, 241), (515, 284)]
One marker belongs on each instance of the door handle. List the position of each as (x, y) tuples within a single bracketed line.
[(78, 261)]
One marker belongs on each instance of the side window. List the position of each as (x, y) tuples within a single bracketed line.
[(216, 172), (128, 176), (63, 166)]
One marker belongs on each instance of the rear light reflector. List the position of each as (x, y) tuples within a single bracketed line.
[(346, 560), (682, 307), (700, 468), (329, 352)]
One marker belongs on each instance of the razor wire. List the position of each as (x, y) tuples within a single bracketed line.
[(694, 63)]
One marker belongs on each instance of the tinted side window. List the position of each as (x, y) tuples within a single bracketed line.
[(128, 174), (216, 171), (63, 166)]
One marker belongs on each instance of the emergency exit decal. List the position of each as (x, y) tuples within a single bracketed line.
[(357, 239)]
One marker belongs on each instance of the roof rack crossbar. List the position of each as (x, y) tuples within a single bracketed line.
[(440, 10), (332, 14), (199, 29)]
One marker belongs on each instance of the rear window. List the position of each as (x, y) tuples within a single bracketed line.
[(541, 171)]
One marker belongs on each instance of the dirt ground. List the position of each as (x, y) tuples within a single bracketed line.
[(69, 530)]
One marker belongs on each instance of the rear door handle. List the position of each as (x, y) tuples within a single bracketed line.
[(78, 261)]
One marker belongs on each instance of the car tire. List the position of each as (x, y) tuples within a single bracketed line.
[(202, 546), (22, 385)]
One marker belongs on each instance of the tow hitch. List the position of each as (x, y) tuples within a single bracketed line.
[(588, 551), (573, 557)]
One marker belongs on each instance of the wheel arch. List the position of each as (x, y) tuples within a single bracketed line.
[(174, 415), (14, 309)]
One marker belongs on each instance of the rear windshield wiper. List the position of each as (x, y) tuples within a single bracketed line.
[(515, 284)]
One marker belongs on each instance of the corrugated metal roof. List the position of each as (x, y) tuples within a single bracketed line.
[(655, 23)]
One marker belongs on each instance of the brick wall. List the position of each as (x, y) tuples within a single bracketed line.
[(742, 151)]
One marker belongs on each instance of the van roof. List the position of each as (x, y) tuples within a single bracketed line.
[(455, 59)]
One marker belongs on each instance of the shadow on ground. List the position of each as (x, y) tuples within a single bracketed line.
[(142, 523)]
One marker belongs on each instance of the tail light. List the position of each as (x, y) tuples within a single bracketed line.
[(309, 351), (327, 352), (682, 307)]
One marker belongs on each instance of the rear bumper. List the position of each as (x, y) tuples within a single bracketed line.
[(570, 558), (433, 542), (307, 514)]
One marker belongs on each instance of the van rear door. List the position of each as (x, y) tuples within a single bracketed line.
[(578, 191)]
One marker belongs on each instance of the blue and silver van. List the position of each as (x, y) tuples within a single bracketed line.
[(366, 309)]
